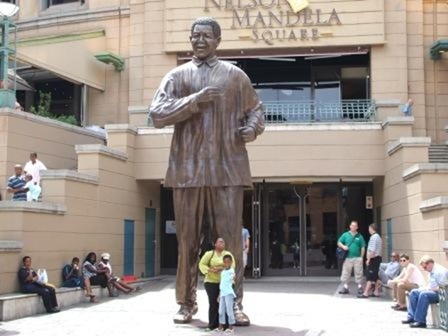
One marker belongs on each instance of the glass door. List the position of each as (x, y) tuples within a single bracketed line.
[(281, 213), (295, 227)]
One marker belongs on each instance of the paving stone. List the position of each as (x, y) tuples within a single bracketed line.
[(275, 308)]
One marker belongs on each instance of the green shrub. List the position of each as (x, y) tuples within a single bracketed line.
[(42, 109)]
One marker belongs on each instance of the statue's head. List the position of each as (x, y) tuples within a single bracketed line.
[(205, 37)]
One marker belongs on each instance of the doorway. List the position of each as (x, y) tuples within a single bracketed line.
[(296, 227)]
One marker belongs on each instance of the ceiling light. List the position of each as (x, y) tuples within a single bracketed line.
[(8, 9), (277, 59)]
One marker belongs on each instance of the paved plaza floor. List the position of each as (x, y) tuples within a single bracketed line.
[(276, 307)]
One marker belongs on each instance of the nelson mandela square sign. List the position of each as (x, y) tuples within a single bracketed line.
[(273, 21)]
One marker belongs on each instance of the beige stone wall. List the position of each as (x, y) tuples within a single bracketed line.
[(286, 152), (256, 26), (413, 231), (23, 133), (96, 199), (436, 72)]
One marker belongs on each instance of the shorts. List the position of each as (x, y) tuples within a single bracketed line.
[(99, 280), (373, 269)]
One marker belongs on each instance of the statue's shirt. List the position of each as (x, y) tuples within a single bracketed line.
[(207, 149)]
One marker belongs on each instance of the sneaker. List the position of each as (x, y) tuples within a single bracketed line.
[(228, 331), (360, 291), (344, 291)]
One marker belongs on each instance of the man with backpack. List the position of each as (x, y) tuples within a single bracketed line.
[(353, 245)]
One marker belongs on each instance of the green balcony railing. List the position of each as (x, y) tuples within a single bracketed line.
[(293, 112)]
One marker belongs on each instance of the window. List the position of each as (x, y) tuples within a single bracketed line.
[(10, 1), (312, 88), (62, 2)]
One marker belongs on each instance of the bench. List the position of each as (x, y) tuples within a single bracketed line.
[(17, 305), (435, 317)]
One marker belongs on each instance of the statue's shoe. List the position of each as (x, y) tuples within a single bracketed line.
[(241, 319), (194, 309), (184, 315)]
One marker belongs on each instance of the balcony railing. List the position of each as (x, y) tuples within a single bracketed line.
[(293, 112), (310, 111)]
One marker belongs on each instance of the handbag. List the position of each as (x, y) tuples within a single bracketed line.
[(341, 254)]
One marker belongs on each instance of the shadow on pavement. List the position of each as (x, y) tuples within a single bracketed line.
[(199, 327), (8, 332), (321, 288)]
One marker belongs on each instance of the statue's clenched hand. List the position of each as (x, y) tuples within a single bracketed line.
[(208, 94), (247, 133)]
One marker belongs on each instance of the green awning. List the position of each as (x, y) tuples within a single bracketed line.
[(110, 58), (438, 48)]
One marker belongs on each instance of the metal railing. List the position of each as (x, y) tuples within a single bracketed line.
[(293, 112)]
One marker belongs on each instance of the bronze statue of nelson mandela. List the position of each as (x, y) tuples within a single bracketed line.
[(215, 111)]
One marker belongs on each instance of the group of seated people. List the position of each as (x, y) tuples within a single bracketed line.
[(406, 278), (85, 276)]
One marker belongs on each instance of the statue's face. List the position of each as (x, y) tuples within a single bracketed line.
[(204, 42)]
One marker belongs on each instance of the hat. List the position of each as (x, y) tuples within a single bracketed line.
[(105, 256), (18, 166)]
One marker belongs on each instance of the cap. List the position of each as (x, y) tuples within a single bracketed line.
[(18, 166), (105, 256)]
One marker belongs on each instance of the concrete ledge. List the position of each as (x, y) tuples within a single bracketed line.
[(388, 102), (341, 126), (34, 207), (398, 120), (138, 109), (11, 246), (50, 122), (436, 203), (70, 175), (420, 168), (17, 305), (408, 142), (101, 149), (49, 18), (121, 128)]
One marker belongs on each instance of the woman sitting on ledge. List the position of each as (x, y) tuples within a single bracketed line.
[(115, 281), (94, 276), (28, 280)]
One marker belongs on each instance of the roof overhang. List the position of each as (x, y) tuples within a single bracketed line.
[(70, 56), (438, 48)]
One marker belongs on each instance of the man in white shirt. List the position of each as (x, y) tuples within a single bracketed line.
[(421, 298), (33, 167)]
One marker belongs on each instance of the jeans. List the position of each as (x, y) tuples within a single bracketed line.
[(212, 290), (226, 307), (46, 292), (419, 301)]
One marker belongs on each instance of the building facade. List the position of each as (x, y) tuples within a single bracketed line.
[(355, 101)]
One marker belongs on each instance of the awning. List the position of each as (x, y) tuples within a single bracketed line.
[(68, 56), (438, 48)]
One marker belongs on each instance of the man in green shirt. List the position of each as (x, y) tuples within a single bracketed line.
[(355, 245)]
